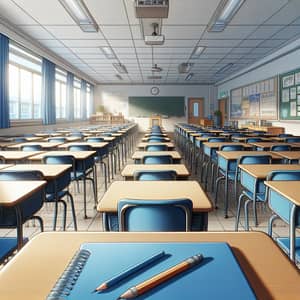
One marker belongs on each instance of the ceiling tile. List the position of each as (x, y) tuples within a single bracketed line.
[(36, 31), (182, 32), (84, 43), (116, 32), (288, 32), (72, 32), (264, 32)]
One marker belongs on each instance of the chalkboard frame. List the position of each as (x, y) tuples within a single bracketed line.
[(164, 106)]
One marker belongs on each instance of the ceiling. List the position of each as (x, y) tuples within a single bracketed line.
[(259, 28)]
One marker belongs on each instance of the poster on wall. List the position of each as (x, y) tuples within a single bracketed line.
[(254, 106), (285, 95), (267, 108), (235, 104), (297, 78), (293, 109), (293, 93), (288, 81)]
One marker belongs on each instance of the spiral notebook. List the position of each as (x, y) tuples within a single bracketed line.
[(218, 276)]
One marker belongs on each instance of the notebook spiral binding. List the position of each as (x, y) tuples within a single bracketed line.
[(67, 280)]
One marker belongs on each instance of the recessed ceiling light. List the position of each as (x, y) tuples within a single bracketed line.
[(197, 51), (223, 14), (120, 68), (80, 14), (108, 52)]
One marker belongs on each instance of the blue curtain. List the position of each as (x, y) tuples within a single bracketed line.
[(4, 96), (70, 96), (48, 92), (83, 99)]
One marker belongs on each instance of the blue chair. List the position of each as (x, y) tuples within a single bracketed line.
[(293, 139), (284, 135), (82, 171), (57, 140), (20, 140), (253, 140), (145, 175), (31, 147), (102, 153), (157, 139), (280, 148), (8, 245), (156, 147), (282, 210), (155, 215), (226, 173), (59, 189), (15, 217), (253, 191), (157, 159)]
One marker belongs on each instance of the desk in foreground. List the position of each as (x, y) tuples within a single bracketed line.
[(152, 190), (268, 271)]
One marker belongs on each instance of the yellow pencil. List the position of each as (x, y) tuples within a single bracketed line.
[(157, 279)]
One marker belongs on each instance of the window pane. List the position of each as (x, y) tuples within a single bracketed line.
[(13, 92), (196, 109), (26, 94), (37, 96), (63, 100)]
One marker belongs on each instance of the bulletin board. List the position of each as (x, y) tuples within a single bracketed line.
[(290, 95), (256, 101)]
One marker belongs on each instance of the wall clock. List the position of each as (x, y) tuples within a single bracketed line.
[(154, 90)]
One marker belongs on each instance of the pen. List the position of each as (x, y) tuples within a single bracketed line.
[(107, 284), (157, 279)]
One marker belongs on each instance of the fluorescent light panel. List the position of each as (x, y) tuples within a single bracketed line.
[(225, 68), (223, 15), (80, 14), (189, 76), (120, 68), (108, 52), (197, 51)]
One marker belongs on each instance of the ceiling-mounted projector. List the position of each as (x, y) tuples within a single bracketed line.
[(154, 39)]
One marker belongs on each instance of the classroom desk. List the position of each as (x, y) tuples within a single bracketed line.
[(142, 146), (4, 166), (94, 146), (242, 139), (18, 156), (265, 146), (80, 157), (29, 139), (161, 134), (180, 169), (290, 156), (284, 200), (138, 155), (14, 193), (227, 162), (154, 190), (44, 145), (3, 145), (253, 176), (67, 138)]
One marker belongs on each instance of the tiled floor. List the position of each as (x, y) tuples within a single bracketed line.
[(216, 221)]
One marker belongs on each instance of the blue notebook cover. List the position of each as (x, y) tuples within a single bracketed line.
[(218, 276)]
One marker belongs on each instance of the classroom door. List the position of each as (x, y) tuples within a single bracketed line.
[(223, 110), (195, 110)]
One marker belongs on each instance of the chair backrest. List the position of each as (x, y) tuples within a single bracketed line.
[(281, 148), (27, 208), (254, 159), (293, 140), (31, 147), (253, 140), (216, 139), (146, 175), (155, 215), (57, 140), (21, 175), (20, 139), (284, 135), (157, 159), (79, 147), (283, 175), (232, 148), (95, 139), (156, 148), (156, 139)]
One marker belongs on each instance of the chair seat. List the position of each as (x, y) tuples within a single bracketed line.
[(8, 245), (60, 194), (284, 243)]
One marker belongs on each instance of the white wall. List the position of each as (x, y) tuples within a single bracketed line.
[(115, 99), (281, 61)]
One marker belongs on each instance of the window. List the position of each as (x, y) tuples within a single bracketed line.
[(60, 93), (77, 102), (88, 100), (25, 84)]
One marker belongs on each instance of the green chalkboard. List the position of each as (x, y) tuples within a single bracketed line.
[(290, 95), (148, 106)]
